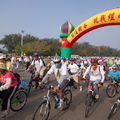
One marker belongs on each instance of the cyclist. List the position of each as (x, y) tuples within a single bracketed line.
[(62, 76), (39, 66), (114, 73), (8, 86), (97, 75), (65, 61), (74, 72)]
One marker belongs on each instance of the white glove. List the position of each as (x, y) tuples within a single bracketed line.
[(28, 70), (1, 89)]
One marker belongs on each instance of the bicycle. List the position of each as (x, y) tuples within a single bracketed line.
[(18, 100), (90, 98), (43, 110), (113, 88), (33, 82), (114, 108)]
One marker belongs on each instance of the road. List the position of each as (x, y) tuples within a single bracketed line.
[(76, 111)]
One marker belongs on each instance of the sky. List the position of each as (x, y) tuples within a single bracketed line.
[(43, 18)]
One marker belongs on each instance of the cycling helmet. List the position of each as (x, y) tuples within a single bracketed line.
[(36, 55), (114, 67), (2, 56), (94, 60), (57, 58), (71, 59)]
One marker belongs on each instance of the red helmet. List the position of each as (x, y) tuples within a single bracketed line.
[(94, 60)]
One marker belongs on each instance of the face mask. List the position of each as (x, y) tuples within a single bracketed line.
[(58, 65)]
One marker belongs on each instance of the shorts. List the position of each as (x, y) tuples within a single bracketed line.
[(76, 78), (43, 72), (64, 84)]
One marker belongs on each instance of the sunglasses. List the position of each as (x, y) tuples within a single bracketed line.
[(56, 62)]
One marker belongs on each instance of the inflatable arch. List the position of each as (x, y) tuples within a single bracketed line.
[(107, 18)]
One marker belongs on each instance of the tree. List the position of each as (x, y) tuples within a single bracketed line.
[(12, 40)]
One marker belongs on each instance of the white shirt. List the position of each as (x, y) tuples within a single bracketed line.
[(73, 68), (26, 59), (97, 74), (37, 64), (63, 72), (13, 60)]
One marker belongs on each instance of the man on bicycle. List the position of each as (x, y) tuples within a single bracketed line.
[(39, 66), (62, 76), (74, 72), (97, 75), (8, 86)]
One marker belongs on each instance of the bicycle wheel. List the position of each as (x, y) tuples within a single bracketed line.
[(111, 90), (18, 100), (32, 83), (42, 112), (67, 99), (112, 111), (88, 103)]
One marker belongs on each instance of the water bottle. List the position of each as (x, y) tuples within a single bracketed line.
[(58, 99)]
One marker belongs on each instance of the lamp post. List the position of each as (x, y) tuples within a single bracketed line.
[(22, 37)]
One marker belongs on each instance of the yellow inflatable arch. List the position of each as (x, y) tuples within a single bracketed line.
[(107, 18)]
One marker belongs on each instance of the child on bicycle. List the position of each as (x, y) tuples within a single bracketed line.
[(8, 86), (62, 75), (114, 73), (97, 75)]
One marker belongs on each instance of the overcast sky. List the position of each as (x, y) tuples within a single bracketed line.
[(43, 18)]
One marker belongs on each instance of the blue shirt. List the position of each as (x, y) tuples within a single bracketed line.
[(114, 74)]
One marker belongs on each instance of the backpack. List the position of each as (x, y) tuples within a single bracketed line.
[(17, 77)]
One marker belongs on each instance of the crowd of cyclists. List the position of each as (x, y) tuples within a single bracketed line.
[(96, 69)]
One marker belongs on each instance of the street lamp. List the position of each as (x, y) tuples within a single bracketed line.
[(22, 37)]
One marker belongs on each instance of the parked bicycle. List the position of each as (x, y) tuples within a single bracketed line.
[(114, 108), (43, 110), (18, 100), (113, 88), (90, 98)]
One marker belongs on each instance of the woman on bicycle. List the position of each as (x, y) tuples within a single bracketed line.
[(62, 76), (8, 86), (97, 75)]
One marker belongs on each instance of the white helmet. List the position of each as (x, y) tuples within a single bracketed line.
[(2, 56), (57, 58), (114, 67), (85, 62)]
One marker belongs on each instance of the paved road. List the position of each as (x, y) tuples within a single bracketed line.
[(76, 110)]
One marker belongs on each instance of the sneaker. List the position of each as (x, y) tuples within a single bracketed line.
[(4, 114), (80, 88), (56, 105), (97, 96), (60, 106), (35, 86)]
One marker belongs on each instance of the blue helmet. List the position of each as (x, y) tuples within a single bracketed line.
[(36, 55)]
